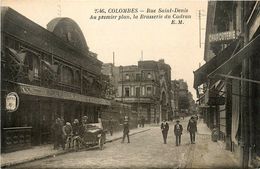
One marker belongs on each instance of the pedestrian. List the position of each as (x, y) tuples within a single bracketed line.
[(76, 134), (157, 120), (67, 134), (164, 128), (178, 132), (126, 130), (142, 121), (110, 125), (57, 133), (192, 128)]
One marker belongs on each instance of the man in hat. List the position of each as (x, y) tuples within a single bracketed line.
[(178, 132), (126, 130), (164, 128), (192, 128)]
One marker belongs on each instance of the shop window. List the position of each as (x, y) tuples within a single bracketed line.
[(127, 92), (149, 91), (67, 75)]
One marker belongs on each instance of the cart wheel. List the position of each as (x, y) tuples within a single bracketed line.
[(101, 143)]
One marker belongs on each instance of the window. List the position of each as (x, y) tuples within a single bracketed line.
[(67, 75), (149, 91), (149, 76), (77, 78), (127, 92), (127, 76), (33, 64), (138, 77), (137, 91)]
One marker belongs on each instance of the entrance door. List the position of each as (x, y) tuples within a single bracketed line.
[(46, 121)]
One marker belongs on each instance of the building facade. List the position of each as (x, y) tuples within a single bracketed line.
[(146, 87), (228, 84), (50, 73), (182, 100)]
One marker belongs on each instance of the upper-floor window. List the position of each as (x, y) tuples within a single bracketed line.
[(149, 90), (127, 92), (67, 75), (149, 76), (138, 76), (77, 78), (127, 77), (137, 91), (33, 64)]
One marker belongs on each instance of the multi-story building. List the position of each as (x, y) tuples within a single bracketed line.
[(146, 87), (182, 100), (228, 84), (46, 73)]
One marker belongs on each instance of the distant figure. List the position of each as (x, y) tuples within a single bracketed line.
[(110, 126), (164, 128), (142, 121), (178, 132), (192, 128), (126, 130), (157, 120)]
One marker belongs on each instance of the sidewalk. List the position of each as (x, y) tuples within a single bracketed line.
[(44, 151), (209, 154)]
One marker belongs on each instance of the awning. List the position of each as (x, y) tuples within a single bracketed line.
[(18, 57), (59, 94), (252, 48), (201, 74), (53, 68)]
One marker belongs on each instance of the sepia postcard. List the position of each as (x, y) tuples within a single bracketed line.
[(130, 84)]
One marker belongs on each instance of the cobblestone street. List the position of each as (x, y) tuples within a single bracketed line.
[(145, 150)]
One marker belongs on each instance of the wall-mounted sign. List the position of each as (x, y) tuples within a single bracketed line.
[(12, 102), (222, 36)]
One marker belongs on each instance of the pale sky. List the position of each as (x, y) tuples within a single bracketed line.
[(178, 45)]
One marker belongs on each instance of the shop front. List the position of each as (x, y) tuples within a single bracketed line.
[(31, 123)]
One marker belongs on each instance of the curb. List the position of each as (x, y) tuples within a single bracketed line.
[(63, 152), (119, 138)]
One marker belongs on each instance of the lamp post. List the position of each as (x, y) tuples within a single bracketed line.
[(122, 91)]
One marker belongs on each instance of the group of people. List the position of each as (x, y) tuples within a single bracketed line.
[(63, 133), (178, 129)]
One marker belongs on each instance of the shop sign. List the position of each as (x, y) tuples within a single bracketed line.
[(12, 102), (222, 36)]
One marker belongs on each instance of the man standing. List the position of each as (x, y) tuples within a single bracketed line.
[(164, 128), (178, 132), (192, 128), (110, 125), (142, 121), (126, 130)]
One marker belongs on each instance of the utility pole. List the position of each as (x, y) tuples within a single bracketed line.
[(59, 8), (199, 28), (113, 58)]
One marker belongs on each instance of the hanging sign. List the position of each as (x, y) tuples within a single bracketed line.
[(222, 36), (12, 102)]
